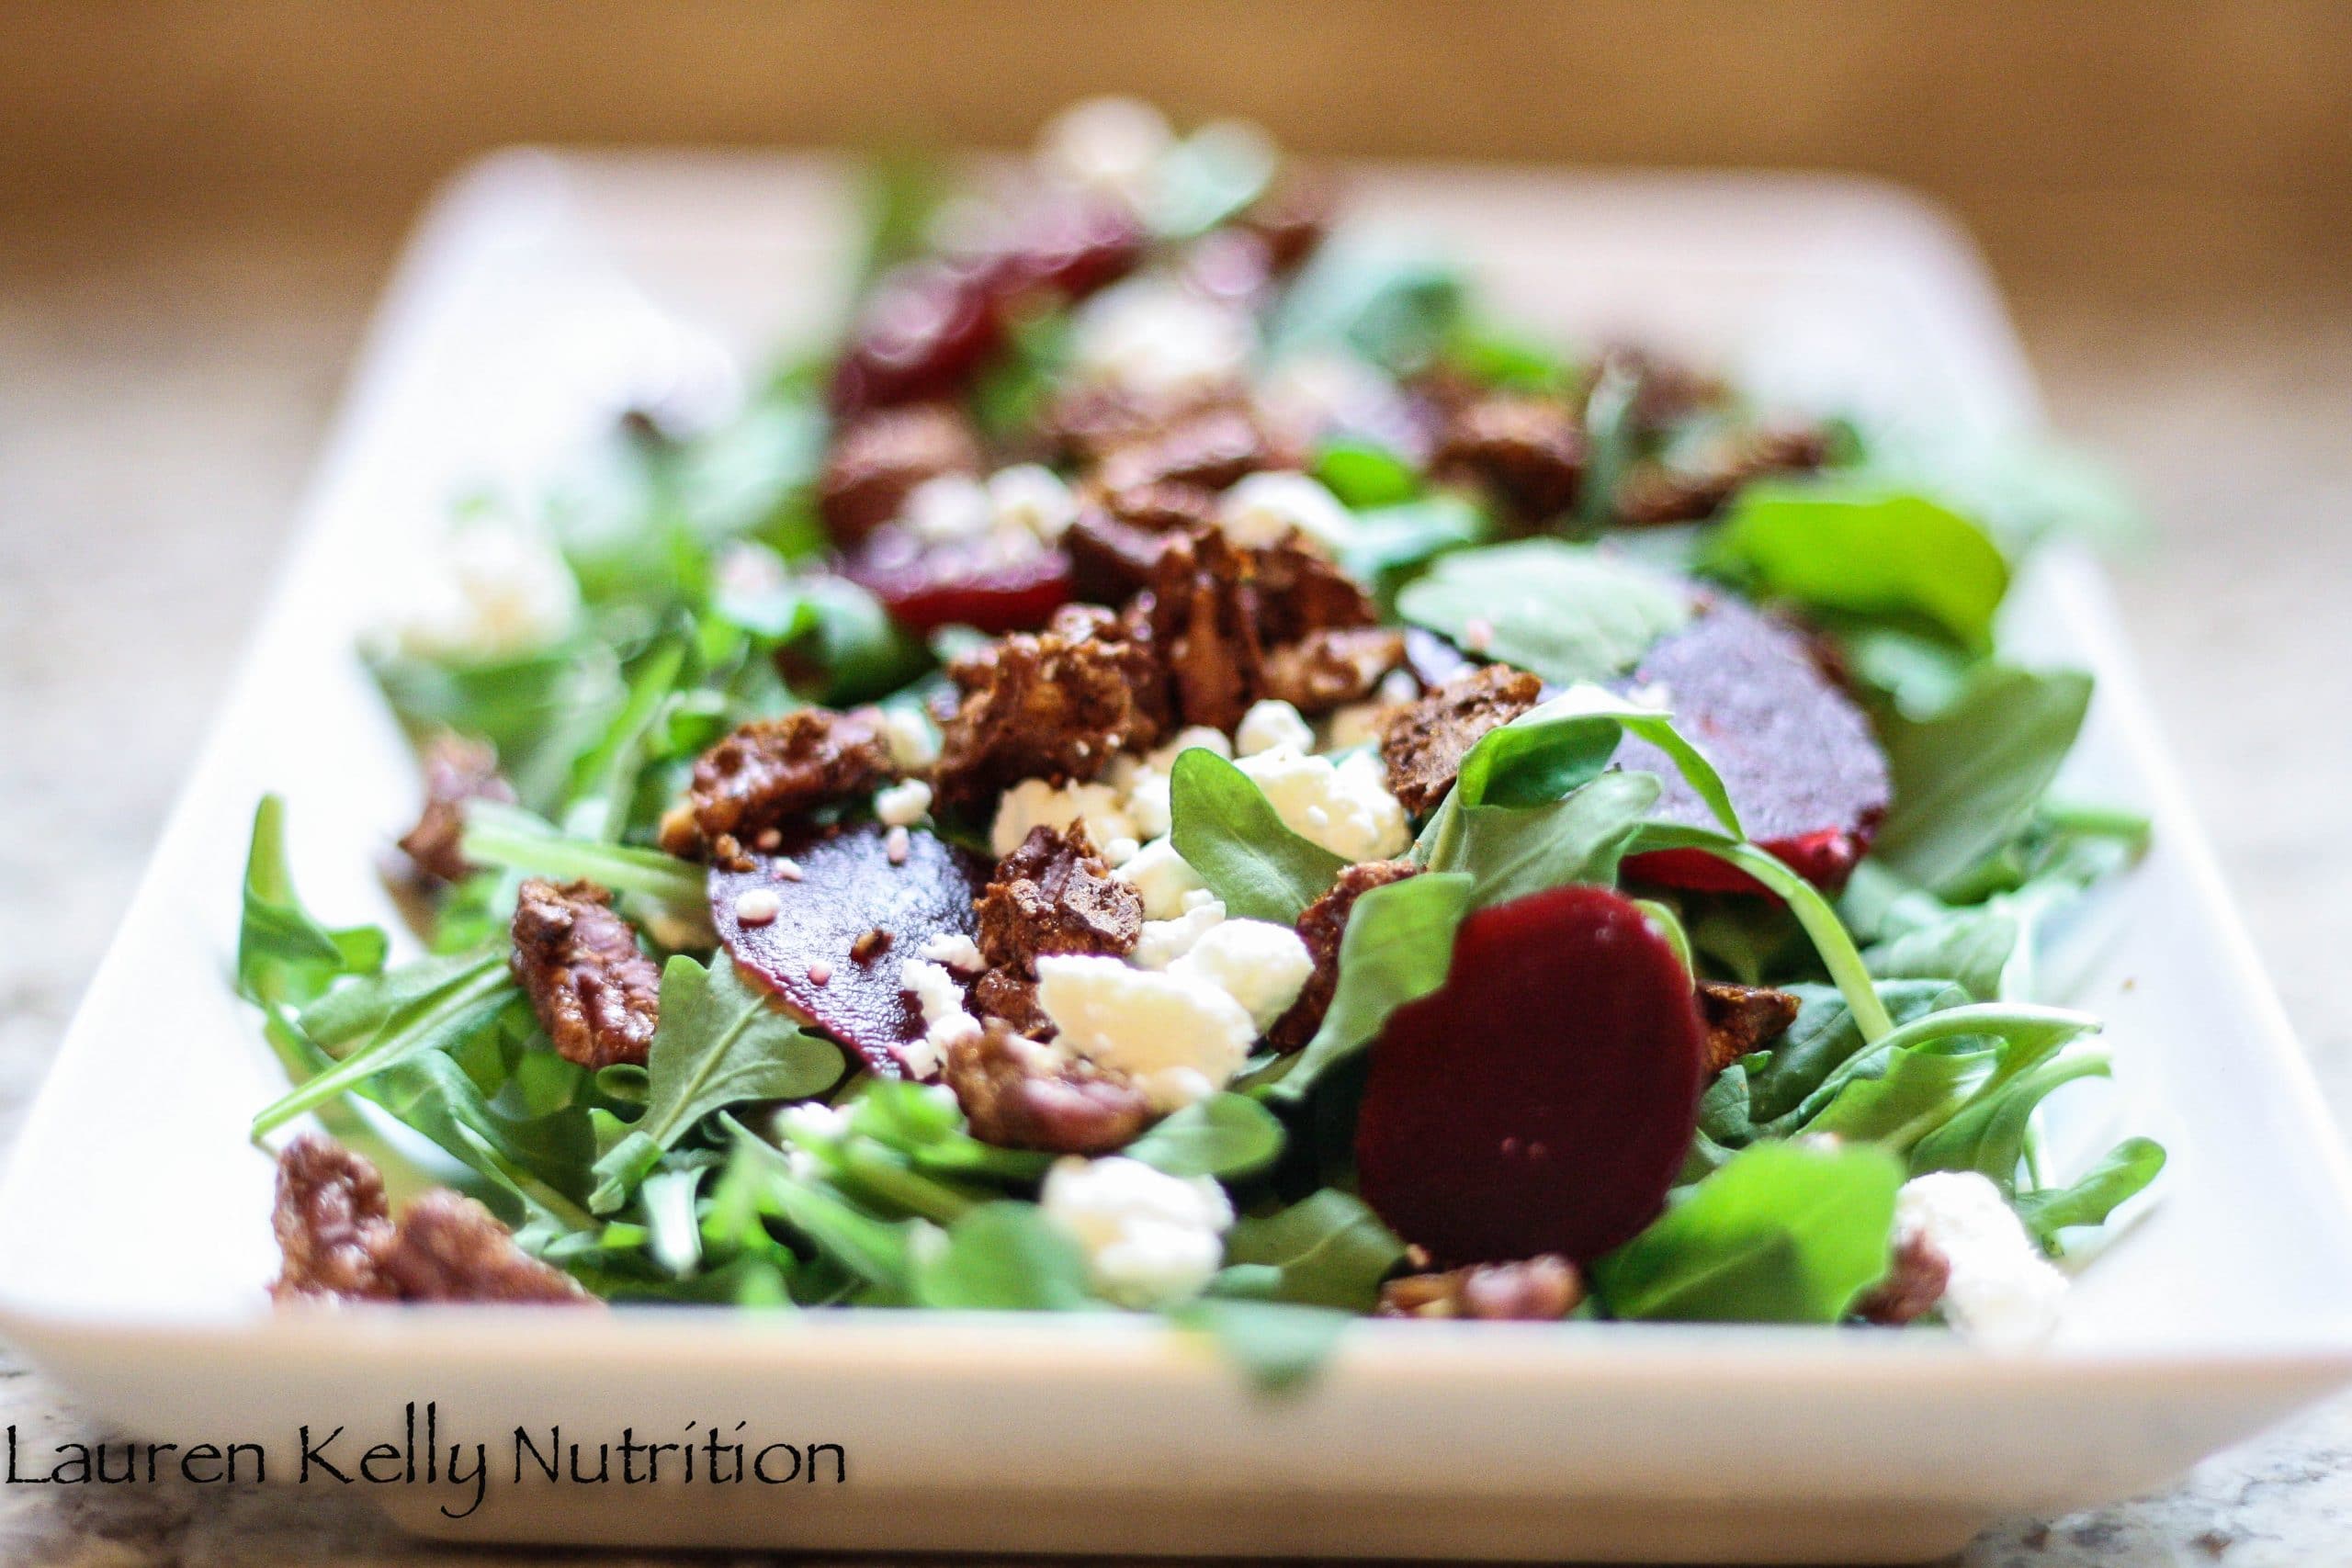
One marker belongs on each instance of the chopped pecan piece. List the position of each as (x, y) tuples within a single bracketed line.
[(1689, 491), (455, 771), (1055, 895), (339, 1243), (330, 1210), (772, 771), (1741, 1019), (1913, 1284), (1057, 704), (1326, 669), (1544, 1288), (1211, 447), (1527, 451), (1115, 543), (1321, 925), (1018, 1094), (879, 459), (1423, 742), (1217, 609), (447, 1247), (597, 995), (1001, 993)]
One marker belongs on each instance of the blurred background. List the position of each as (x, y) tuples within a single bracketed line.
[(198, 202)]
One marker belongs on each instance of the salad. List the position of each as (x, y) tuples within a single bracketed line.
[(1182, 766)]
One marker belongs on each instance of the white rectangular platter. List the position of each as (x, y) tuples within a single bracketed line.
[(545, 292)]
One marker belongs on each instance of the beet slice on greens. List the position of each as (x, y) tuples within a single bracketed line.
[(848, 888), (943, 585), (1544, 1099), (1795, 750)]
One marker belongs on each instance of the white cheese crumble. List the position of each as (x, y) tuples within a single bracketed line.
[(757, 906), (951, 509), (1163, 877), (1150, 1240), (1257, 962), (1156, 339), (1264, 509), (1178, 1039), (955, 950), (1357, 723), (494, 592), (1269, 724), (903, 805), (2002, 1292), (1164, 942), (913, 740), (944, 1020), (1033, 803), (1111, 146), (1345, 808), (1030, 497)]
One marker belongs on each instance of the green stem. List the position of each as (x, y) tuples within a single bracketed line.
[(1829, 933)]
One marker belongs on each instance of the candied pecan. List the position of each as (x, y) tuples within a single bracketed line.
[(1217, 608), (1914, 1282), (1115, 543), (1741, 1019), (1423, 742), (1211, 446), (880, 459), (1018, 1094), (871, 946), (1543, 1289), (1698, 488), (330, 1209), (1527, 451), (1057, 704), (455, 769), (1001, 993), (771, 771), (447, 1247), (597, 995), (1663, 391), (1321, 925), (1325, 668), (1055, 895)]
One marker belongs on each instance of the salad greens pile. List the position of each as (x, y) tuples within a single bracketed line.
[(753, 1160)]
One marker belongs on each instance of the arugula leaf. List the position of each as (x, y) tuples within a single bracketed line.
[(1800, 1072), (1783, 1233), (720, 1042), (1569, 613), (924, 1123), (2123, 1173), (1509, 852), (1556, 746), (876, 1252), (1843, 543), (432, 1006), (1967, 779), (1328, 1249), (1227, 1136), (1396, 949), (285, 957), (1277, 1346), (1229, 833), (1379, 297), (1365, 474), (1388, 542), (1002, 1257), (1989, 1135), (508, 835)]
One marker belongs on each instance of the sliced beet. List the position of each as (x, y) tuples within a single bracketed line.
[(1795, 750), (848, 888), (949, 585), (1544, 1099)]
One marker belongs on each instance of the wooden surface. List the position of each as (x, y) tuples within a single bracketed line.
[(165, 373)]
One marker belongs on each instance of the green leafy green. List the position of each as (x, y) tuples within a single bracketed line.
[(1840, 545), (2121, 1174), (1227, 1136), (1000, 1257), (1278, 1346), (1229, 833), (434, 1005), (1783, 1233), (1569, 613), (1328, 1249), (1373, 296), (1397, 947), (1508, 853), (1362, 474), (284, 956)]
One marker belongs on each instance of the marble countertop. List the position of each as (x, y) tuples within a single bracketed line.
[(164, 383)]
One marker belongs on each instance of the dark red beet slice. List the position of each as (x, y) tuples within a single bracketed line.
[(848, 888), (1073, 247), (1795, 750), (927, 328), (947, 585), (1542, 1100)]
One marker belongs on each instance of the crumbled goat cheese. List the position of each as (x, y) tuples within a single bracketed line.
[(1144, 781), (1269, 724), (913, 740), (1257, 962), (944, 1020), (1264, 510), (1030, 498), (1156, 338), (1034, 802), (1163, 877), (955, 950), (814, 1121), (1345, 808), (757, 907), (1111, 146), (1150, 1240), (951, 509), (1165, 942), (903, 805), (1357, 723), (495, 591), (1178, 1039), (2003, 1292)]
